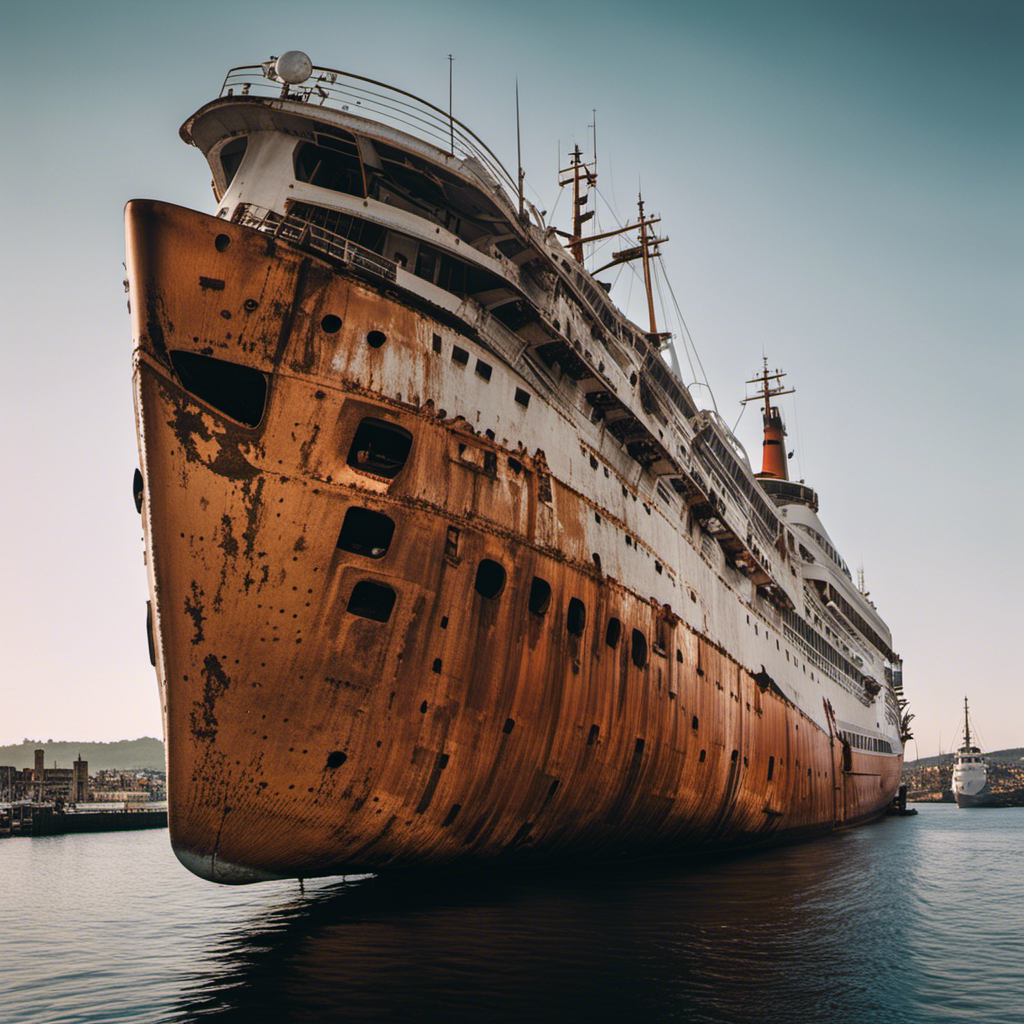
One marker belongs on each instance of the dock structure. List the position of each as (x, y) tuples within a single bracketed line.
[(32, 819), (40, 801)]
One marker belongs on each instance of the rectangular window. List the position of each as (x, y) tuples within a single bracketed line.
[(459, 355)]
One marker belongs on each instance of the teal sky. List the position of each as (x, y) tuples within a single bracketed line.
[(841, 184)]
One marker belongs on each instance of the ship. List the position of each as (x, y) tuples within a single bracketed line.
[(970, 773), (446, 565)]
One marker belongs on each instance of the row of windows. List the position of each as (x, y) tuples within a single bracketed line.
[(825, 546), (855, 739), (368, 533)]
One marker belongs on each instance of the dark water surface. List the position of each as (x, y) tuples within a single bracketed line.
[(909, 920)]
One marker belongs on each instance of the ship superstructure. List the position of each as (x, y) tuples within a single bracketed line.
[(970, 772), (445, 562)]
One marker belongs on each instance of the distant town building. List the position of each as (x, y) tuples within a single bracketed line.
[(74, 785)]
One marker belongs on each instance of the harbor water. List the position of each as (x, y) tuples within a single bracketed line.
[(910, 920)]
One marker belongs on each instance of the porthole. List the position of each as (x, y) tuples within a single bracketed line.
[(331, 324), (576, 617), (376, 338), (638, 649), (490, 579), (613, 632), (540, 596)]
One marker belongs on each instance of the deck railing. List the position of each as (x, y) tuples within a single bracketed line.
[(364, 97), (303, 233)]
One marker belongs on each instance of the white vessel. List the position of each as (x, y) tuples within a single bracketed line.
[(970, 773)]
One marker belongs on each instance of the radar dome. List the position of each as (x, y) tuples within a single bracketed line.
[(293, 67)]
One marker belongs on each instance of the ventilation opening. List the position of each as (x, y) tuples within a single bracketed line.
[(595, 731), (576, 618), (695, 723), (638, 651), (490, 579), (459, 355), (336, 758), (613, 632), (522, 397), (366, 533), (379, 448), (483, 370), (540, 596), (372, 601), (771, 767), (703, 755), (237, 391)]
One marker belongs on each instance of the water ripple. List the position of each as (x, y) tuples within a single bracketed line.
[(913, 921)]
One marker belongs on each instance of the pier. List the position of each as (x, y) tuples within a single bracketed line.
[(28, 819)]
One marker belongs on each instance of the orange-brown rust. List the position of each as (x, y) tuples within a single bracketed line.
[(303, 738)]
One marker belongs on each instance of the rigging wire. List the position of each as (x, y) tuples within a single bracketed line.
[(743, 409), (799, 443), (691, 346)]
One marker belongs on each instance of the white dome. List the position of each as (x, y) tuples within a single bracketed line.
[(293, 67)]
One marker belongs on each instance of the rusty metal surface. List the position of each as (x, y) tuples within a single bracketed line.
[(303, 739)]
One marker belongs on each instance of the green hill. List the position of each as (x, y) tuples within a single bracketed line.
[(145, 752)]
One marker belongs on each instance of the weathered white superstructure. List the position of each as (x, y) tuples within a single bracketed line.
[(445, 562)]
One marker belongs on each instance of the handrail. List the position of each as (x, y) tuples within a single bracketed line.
[(391, 107), (306, 234)]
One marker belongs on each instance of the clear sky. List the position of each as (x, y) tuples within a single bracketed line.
[(841, 184)]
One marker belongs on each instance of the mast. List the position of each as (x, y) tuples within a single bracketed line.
[(967, 727), (774, 462), (646, 263), (581, 174)]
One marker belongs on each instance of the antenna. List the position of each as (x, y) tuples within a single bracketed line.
[(594, 126), (451, 120), (519, 152)]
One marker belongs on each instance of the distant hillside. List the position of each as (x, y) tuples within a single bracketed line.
[(146, 752), (1009, 754)]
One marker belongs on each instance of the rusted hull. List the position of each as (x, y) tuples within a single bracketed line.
[(303, 739)]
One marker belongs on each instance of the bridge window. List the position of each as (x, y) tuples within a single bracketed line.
[(231, 158)]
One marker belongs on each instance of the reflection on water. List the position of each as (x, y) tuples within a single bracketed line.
[(866, 926)]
